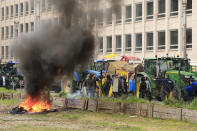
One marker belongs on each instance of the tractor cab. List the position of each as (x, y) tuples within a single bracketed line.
[(157, 66), (178, 70)]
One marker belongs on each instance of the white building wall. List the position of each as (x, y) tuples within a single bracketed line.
[(36, 17), (154, 25)]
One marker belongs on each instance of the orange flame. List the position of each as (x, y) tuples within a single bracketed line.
[(35, 105)]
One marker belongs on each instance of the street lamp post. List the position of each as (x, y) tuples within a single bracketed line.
[(184, 27)]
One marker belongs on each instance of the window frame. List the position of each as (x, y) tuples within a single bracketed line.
[(161, 46), (100, 42), (174, 12), (127, 48), (138, 47), (138, 18), (189, 10), (118, 49), (161, 14), (174, 45), (189, 45), (109, 16), (26, 7), (16, 10), (149, 47), (109, 49), (148, 16), (21, 9), (128, 19), (119, 15)]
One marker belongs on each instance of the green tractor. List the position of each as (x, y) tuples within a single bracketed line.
[(178, 70)]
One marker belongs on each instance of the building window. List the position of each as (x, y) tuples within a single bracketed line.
[(162, 8), (118, 43), (138, 42), (189, 38), (11, 53), (109, 44), (174, 7), (149, 9), (43, 5), (16, 30), (109, 16), (100, 41), (128, 43), (174, 39), (32, 6), (189, 6), (21, 9), (7, 32), (7, 12), (161, 40), (118, 15), (12, 11), (49, 5), (32, 26), (12, 31), (16, 10), (2, 13), (7, 51), (2, 33), (26, 27), (100, 18), (26, 8), (149, 38), (21, 28), (128, 13), (2, 52), (138, 11)]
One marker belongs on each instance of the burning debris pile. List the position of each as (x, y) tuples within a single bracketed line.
[(55, 50)]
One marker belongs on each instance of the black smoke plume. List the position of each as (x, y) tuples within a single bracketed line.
[(56, 50)]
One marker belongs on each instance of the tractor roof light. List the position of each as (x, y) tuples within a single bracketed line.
[(167, 54)]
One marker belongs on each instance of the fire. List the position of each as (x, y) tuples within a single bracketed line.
[(35, 105)]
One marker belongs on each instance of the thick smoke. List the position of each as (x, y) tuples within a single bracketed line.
[(56, 50), (116, 4)]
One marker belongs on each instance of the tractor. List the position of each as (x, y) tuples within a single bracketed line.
[(178, 70)]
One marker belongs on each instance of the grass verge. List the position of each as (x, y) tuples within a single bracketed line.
[(9, 102), (4, 90), (124, 99)]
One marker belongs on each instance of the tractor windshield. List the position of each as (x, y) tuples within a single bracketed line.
[(182, 64)]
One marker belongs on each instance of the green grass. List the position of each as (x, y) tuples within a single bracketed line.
[(124, 99), (181, 104), (174, 103), (192, 105), (61, 94), (29, 127), (4, 90), (9, 102), (83, 120)]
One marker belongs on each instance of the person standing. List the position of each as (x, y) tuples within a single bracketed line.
[(4, 82), (148, 89), (107, 85), (90, 84), (167, 85), (142, 87), (125, 84), (96, 88), (115, 86), (132, 84)]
